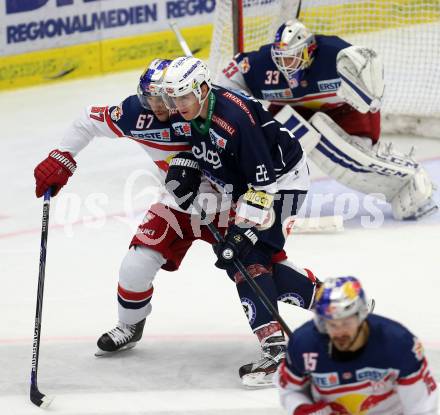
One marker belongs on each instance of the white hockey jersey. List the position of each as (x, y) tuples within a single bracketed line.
[(129, 119)]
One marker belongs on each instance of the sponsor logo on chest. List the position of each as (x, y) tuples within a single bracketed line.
[(276, 93), (371, 373), (182, 128), (209, 156), (329, 85), (217, 140), (162, 134), (325, 379)]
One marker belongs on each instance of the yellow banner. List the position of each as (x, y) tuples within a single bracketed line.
[(96, 58)]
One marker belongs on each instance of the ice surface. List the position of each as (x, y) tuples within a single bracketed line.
[(197, 335)]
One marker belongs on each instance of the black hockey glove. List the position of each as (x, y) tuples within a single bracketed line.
[(237, 244), (183, 179)]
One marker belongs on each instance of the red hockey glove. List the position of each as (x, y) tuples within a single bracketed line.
[(321, 408), (54, 172)]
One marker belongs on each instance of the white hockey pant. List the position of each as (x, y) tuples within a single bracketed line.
[(356, 163)]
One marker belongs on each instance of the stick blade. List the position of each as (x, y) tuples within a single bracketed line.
[(39, 399), (319, 224)]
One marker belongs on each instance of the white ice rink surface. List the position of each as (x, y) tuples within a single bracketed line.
[(197, 336)]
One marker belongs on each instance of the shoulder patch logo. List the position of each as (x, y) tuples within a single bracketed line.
[(116, 113), (245, 66), (217, 140), (182, 128), (418, 349)]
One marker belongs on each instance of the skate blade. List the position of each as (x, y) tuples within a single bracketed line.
[(103, 353), (258, 380)]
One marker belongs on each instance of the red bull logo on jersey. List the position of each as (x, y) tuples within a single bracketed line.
[(162, 134)]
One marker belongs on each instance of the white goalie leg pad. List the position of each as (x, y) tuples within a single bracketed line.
[(357, 164), (299, 127), (138, 269)]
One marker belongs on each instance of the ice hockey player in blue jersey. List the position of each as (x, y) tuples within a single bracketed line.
[(350, 362), (168, 230), (252, 159), (328, 93)]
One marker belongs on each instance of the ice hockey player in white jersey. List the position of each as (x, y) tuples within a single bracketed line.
[(351, 362), (168, 229), (328, 93)]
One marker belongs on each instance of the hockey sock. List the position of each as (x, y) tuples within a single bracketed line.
[(294, 285)]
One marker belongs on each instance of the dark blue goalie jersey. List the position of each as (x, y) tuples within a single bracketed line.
[(263, 80)]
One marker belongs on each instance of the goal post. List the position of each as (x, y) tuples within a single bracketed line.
[(406, 34)]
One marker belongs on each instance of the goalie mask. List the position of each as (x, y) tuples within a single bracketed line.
[(150, 83), (339, 298), (292, 51), (184, 78)]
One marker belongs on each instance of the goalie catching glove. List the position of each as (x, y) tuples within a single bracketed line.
[(183, 179), (54, 172), (361, 72)]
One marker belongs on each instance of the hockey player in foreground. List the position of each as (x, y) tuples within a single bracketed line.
[(331, 93), (168, 229), (349, 362), (249, 156)]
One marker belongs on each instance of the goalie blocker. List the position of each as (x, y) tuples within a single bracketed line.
[(363, 167)]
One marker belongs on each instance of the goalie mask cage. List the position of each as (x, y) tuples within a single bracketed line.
[(406, 34)]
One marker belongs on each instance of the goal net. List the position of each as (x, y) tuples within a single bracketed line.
[(406, 34)]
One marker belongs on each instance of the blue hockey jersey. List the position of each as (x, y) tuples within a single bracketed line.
[(389, 376), (263, 80), (256, 73), (242, 145)]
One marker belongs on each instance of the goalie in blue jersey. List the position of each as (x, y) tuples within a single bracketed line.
[(329, 94)]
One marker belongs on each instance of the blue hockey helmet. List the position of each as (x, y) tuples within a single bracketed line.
[(339, 298), (292, 50), (150, 82)]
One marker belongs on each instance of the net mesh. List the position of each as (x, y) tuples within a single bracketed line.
[(406, 34)]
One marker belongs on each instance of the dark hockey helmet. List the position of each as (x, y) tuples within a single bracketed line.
[(150, 82), (338, 298), (292, 50)]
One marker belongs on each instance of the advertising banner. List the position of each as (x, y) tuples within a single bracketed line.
[(46, 40)]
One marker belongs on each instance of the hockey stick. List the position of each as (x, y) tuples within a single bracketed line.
[(181, 40), (318, 224), (241, 268), (36, 396), (298, 10)]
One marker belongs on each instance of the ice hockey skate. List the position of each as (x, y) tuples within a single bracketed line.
[(260, 373), (122, 337)]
